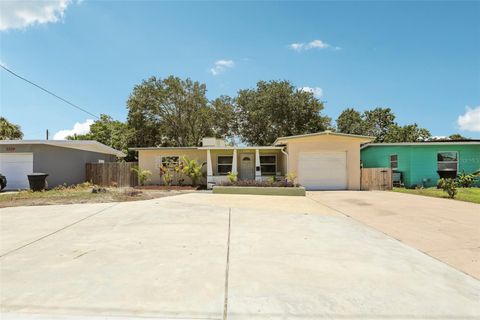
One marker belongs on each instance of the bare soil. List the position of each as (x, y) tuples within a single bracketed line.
[(84, 195)]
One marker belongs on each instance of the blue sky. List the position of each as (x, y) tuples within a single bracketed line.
[(422, 59)]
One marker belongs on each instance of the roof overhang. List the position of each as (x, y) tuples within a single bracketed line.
[(243, 148), (363, 139), (85, 145), (421, 143), (210, 148), (162, 148)]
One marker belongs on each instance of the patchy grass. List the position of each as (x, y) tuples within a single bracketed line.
[(80, 194), (464, 194)]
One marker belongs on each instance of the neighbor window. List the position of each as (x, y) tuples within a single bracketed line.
[(170, 161), (224, 164), (394, 161), (268, 165), (447, 161)]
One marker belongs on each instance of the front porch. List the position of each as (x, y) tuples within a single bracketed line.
[(249, 163)]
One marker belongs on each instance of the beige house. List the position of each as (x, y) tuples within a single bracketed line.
[(321, 161)]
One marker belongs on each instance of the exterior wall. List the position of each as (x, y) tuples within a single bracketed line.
[(418, 163), (63, 165), (373, 157), (216, 153), (328, 143), (150, 160)]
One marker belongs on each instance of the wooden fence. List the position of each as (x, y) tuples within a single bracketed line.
[(376, 179), (108, 174)]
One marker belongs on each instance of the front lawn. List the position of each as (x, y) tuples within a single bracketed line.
[(464, 194)]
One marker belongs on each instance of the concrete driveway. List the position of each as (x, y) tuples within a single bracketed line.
[(445, 229), (206, 256)]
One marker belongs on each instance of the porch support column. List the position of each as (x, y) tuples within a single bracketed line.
[(234, 161), (209, 170), (258, 170)]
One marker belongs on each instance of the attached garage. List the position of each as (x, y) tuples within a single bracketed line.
[(323, 170), (16, 167), (325, 160)]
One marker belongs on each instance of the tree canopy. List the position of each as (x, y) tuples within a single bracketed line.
[(113, 133), (457, 136), (9, 131), (176, 112), (274, 109), (169, 112), (379, 123)]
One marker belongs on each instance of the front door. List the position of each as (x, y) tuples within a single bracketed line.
[(247, 166)]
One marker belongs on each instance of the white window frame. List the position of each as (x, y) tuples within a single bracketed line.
[(458, 158), (269, 163), (224, 164), (396, 167)]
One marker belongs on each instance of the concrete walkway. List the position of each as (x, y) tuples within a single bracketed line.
[(448, 230), (205, 256)]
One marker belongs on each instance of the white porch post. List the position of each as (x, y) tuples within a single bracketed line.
[(258, 170), (234, 161), (209, 170)]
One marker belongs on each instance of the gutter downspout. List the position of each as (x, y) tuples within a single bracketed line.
[(285, 153)]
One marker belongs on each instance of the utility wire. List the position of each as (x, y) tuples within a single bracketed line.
[(49, 92)]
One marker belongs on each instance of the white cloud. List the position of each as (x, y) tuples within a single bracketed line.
[(221, 65), (470, 120), (21, 14), (314, 44), (297, 46), (317, 91), (78, 128)]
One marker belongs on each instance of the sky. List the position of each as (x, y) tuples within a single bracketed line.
[(419, 58)]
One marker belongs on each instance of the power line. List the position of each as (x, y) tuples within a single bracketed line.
[(49, 92)]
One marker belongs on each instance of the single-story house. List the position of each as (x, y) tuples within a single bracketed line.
[(423, 163), (321, 161), (63, 160)]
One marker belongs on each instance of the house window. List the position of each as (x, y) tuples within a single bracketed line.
[(268, 164), (224, 164), (447, 161), (394, 161), (170, 161)]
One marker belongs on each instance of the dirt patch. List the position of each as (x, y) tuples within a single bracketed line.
[(67, 196), (167, 188)]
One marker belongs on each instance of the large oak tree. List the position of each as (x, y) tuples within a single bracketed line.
[(169, 112), (274, 109)]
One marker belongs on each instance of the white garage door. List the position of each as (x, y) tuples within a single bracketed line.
[(16, 166), (323, 170)]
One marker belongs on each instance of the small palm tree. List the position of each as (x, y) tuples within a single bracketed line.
[(143, 175), (192, 169)]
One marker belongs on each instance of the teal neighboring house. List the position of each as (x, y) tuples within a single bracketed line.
[(423, 163)]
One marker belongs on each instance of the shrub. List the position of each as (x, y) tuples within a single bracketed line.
[(232, 177), (166, 175), (466, 180), (255, 183), (192, 169), (143, 175), (449, 186), (291, 177)]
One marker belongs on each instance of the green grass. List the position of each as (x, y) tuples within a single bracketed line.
[(464, 194)]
